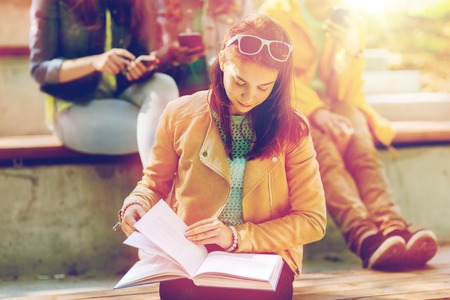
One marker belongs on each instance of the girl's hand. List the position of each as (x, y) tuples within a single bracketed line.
[(137, 69), (132, 214), (113, 61), (210, 231)]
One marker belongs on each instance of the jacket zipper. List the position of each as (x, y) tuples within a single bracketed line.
[(270, 195)]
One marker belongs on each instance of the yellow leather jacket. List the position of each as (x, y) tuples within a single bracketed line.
[(345, 85), (282, 200)]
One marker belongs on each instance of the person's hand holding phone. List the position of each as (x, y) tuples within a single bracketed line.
[(189, 49), (342, 26), (141, 66), (112, 61)]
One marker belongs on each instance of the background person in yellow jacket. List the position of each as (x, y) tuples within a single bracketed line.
[(328, 64)]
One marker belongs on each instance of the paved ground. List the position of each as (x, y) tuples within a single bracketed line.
[(60, 284)]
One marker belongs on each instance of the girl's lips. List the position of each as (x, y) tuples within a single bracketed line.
[(244, 105)]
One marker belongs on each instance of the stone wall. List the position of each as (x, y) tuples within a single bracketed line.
[(58, 218)]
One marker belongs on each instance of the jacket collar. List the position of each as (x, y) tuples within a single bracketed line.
[(212, 152), (213, 155)]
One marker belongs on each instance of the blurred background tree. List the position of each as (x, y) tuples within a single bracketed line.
[(417, 34)]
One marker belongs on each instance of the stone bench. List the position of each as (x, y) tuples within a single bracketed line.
[(16, 149), (418, 118)]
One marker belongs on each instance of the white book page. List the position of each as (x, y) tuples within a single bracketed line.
[(245, 265), (153, 268), (164, 228), (140, 241)]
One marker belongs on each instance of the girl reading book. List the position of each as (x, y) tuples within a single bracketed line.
[(237, 163)]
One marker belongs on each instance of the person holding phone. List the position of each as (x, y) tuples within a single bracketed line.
[(238, 163), (193, 31), (328, 38), (92, 60)]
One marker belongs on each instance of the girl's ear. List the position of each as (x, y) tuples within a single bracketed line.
[(222, 59)]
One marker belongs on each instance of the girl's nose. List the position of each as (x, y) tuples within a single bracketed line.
[(248, 97)]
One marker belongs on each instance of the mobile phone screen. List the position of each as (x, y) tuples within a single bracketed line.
[(191, 40), (147, 60)]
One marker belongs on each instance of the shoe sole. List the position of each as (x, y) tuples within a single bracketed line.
[(420, 248), (389, 255)]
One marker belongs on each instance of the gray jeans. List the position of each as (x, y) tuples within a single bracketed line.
[(118, 125)]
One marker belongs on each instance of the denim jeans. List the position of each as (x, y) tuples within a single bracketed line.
[(117, 125)]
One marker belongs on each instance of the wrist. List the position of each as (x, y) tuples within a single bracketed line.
[(234, 243), (167, 57), (125, 207), (92, 63)]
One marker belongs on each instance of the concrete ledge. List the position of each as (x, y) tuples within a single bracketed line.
[(17, 149), (421, 132), (418, 118), (33, 147)]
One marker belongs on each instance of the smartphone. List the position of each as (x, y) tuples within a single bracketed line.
[(191, 40), (338, 14), (148, 60)]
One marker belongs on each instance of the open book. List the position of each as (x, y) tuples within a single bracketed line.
[(171, 256)]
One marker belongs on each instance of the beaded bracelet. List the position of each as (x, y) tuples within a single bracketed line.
[(235, 239)]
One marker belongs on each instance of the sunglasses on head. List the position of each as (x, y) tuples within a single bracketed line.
[(252, 45)]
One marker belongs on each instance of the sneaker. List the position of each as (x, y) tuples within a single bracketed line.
[(382, 252), (421, 246)]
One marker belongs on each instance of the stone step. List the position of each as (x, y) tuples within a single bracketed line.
[(412, 106), (401, 81), (377, 59)]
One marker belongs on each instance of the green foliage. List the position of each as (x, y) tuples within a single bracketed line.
[(435, 9), (417, 31)]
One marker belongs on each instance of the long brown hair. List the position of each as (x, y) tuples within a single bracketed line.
[(274, 121)]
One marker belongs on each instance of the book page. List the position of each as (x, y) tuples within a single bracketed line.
[(247, 265), (259, 271), (140, 241), (163, 227), (151, 269)]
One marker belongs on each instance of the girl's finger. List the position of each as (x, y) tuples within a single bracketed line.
[(208, 235), (200, 223), (125, 54)]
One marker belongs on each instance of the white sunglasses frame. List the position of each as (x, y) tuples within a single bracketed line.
[(238, 38)]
